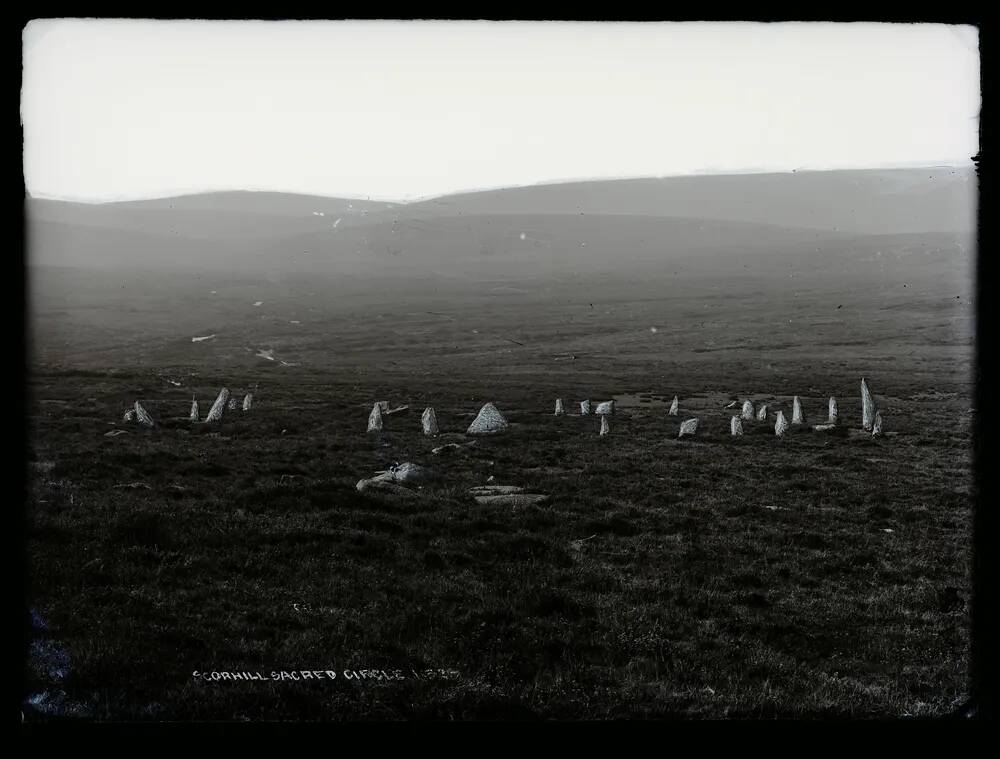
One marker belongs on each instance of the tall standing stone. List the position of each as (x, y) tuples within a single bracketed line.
[(688, 427), (762, 412), (194, 410), (877, 424), (781, 425), (584, 408), (142, 417), (559, 407), (867, 406), (219, 407), (736, 427), (605, 429), (673, 407), (796, 410), (429, 422), (832, 418), (746, 415), (487, 422), (375, 419), (247, 401)]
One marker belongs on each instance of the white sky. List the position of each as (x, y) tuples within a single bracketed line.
[(398, 110)]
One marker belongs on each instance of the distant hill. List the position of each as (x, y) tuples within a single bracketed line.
[(876, 201), (748, 219)]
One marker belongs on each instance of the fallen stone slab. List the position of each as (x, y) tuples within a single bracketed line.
[(450, 447), (514, 500), (409, 472), (578, 545), (377, 486), (496, 490), (115, 433), (397, 410)]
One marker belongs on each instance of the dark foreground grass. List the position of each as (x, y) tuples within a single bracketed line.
[(816, 576)]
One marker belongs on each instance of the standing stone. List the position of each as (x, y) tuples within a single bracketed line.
[(608, 407), (142, 417), (781, 425), (688, 427), (559, 407), (877, 424), (233, 404), (832, 418), (429, 421), (746, 415), (219, 407), (247, 401), (488, 421), (673, 407), (796, 411), (194, 410), (867, 406), (584, 408), (129, 415), (605, 429), (736, 427), (375, 419), (762, 413)]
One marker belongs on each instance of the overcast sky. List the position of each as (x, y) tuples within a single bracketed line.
[(398, 110)]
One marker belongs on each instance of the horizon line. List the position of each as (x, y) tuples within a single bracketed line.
[(408, 200)]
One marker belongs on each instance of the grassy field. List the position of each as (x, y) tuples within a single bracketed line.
[(813, 576)]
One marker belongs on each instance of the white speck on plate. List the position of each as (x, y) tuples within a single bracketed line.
[(259, 303), (295, 321), (523, 235), (336, 223), (652, 329), (199, 339)]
